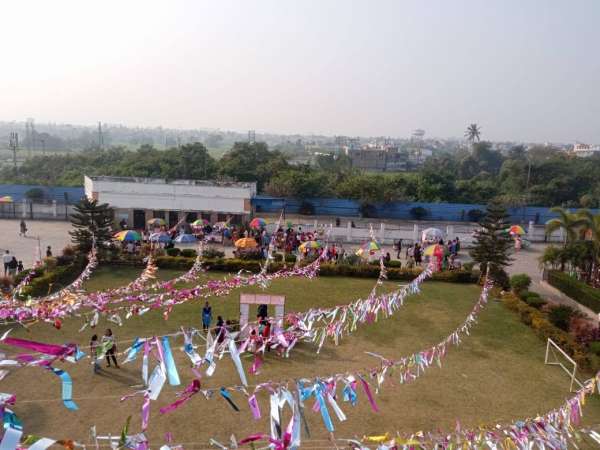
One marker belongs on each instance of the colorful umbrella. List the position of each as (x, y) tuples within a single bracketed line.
[(258, 223), (309, 244), (431, 234), (516, 229), (246, 243), (6, 199), (128, 236), (435, 250), (222, 225), (368, 248), (157, 222), (160, 237), (200, 223), (185, 239)]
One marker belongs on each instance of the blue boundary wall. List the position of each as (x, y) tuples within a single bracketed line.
[(455, 212), (17, 192)]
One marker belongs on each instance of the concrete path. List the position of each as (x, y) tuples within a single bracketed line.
[(527, 261)]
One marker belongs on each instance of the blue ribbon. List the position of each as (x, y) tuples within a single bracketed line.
[(170, 363), (350, 395), (323, 407), (11, 420), (134, 350), (67, 388)]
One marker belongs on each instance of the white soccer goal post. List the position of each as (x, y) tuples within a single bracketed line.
[(554, 359)]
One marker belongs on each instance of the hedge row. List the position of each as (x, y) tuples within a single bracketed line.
[(544, 329), (54, 280), (361, 271), (578, 291)]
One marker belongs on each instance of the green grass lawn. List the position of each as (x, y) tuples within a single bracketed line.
[(497, 374)]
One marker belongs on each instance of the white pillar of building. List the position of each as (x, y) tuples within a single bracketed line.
[(24, 212), (416, 232), (316, 225), (382, 232), (54, 208), (530, 230), (349, 232), (449, 232)]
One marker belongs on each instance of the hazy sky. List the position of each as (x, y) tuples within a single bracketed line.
[(522, 69)]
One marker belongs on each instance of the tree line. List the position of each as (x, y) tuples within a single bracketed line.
[(542, 176)]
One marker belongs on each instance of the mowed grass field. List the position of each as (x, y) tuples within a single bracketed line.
[(496, 375)]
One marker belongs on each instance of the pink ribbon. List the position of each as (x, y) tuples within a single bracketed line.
[(40, 347), (367, 390)]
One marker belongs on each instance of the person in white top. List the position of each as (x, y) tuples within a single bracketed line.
[(7, 258)]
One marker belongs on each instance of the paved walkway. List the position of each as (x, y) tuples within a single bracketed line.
[(52, 233), (527, 261)]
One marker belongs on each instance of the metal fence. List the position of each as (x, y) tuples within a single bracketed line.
[(42, 211)]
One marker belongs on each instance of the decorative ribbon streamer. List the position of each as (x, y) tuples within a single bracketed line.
[(157, 381), (170, 363), (235, 356), (254, 407), (42, 444), (367, 390), (67, 388), (192, 389), (145, 362), (134, 350), (188, 348), (40, 347), (227, 397), (145, 412)]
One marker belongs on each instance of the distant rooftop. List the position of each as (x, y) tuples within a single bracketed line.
[(236, 184)]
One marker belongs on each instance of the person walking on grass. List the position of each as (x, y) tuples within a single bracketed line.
[(110, 346), (206, 317), (49, 252), (94, 352)]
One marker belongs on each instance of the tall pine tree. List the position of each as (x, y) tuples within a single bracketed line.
[(492, 243), (91, 220)]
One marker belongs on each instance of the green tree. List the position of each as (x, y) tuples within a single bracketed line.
[(569, 222), (492, 243), (252, 161), (473, 133), (91, 220), (591, 225)]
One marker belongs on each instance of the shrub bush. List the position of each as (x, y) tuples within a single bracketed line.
[(68, 251), (189, 253), (51, 280), (532, 299), (544, 329), (278, 257), (520, 282), (560, 316), (468, 266), (394, 263), (595, 348), (352, 259), (212, 253), (250, 255), (290, 258), (362, 271), (578, 291), (173, 251)]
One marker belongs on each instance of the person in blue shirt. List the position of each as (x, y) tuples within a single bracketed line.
[(206, 317)]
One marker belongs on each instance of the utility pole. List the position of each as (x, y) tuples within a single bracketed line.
[(43, 141), (13, 143), (100, 137)]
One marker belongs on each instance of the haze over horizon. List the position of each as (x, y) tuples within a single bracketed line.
[(525, 71)]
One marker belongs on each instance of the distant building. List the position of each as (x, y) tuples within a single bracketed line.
[(378, 158), (585, 150), (137, 200)]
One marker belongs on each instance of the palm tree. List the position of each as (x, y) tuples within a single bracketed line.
[(567, 221), (473, 133), (591, 225)]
